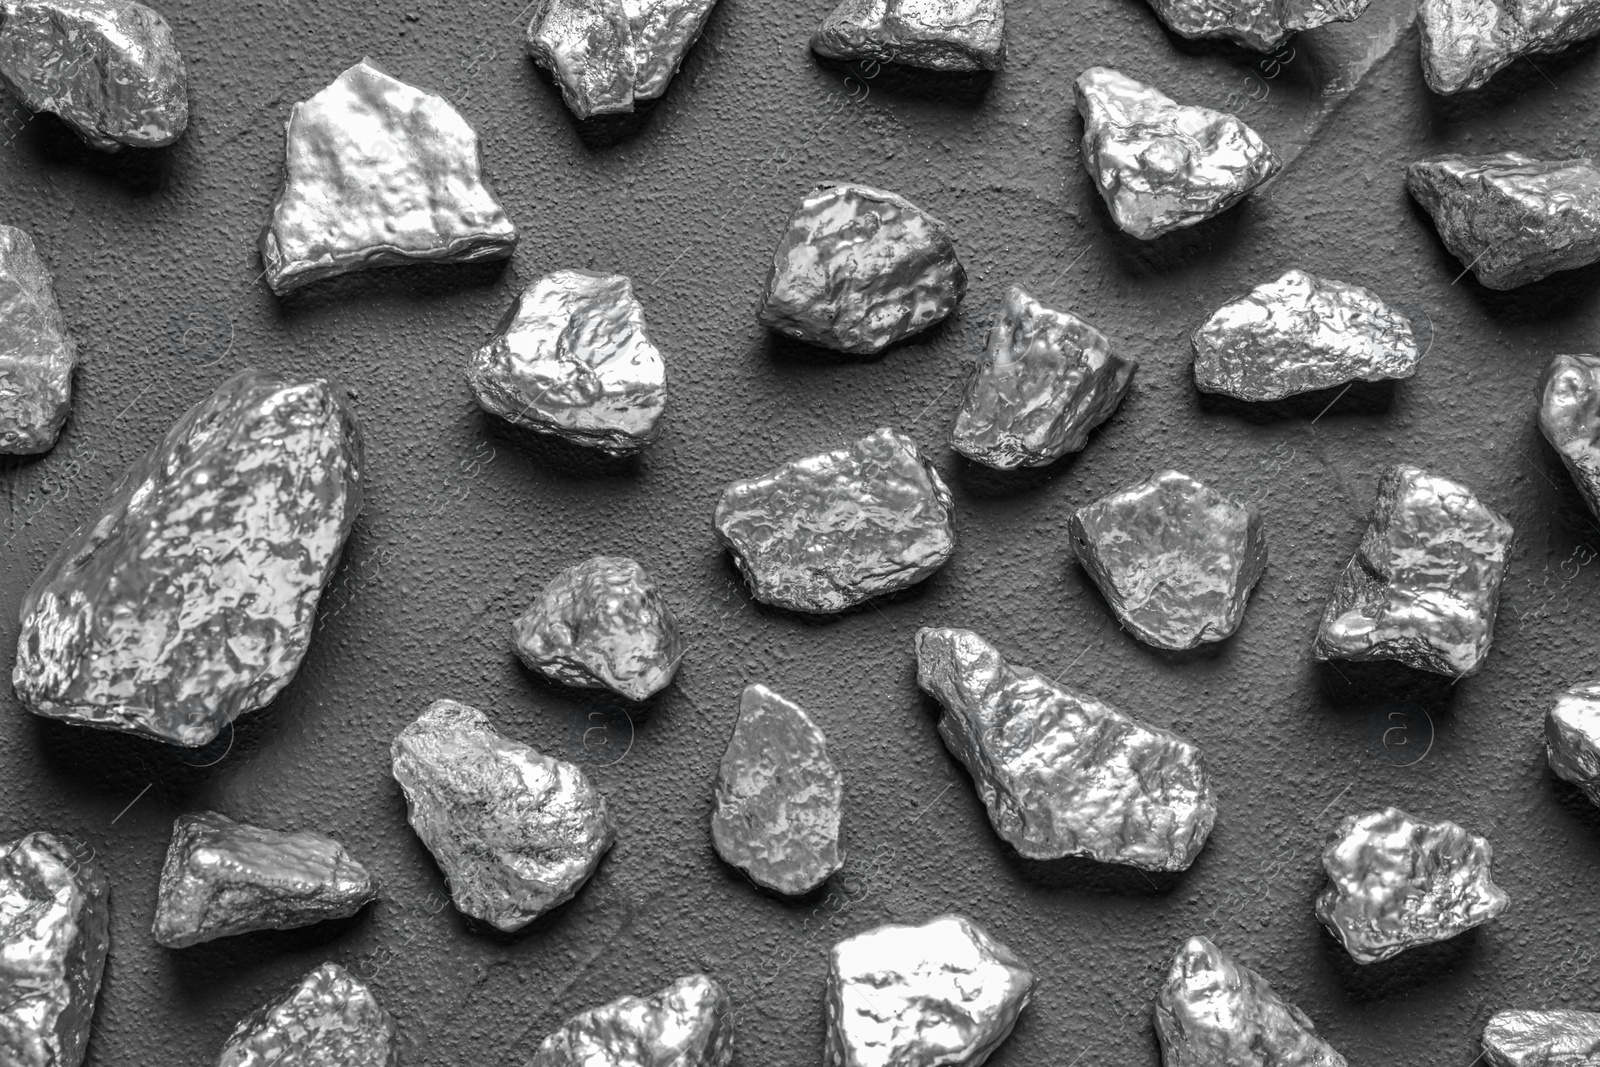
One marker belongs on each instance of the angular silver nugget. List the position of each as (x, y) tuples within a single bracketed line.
[(1048, 379), (859, 269), (1161, 165), (54, 934), (1572, 738), (1396, 882), (1558, 1038), (1464, 42), (1259, 24), (947, 35), (515, 832), (1299, 334), (1423, 588), (189, 598), (942, 994), (687, 1024), (830, 531), (607, 56), (37, 354), (1569, 416), (331, 1019), (572, 359), (379, 173), (1061, 773)]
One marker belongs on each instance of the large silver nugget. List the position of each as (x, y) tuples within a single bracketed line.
[(942, 994), (1161, 165), (1558, 1038), (223, 877), (37, 354), (1048, 379), (1396, 882), (687, 1024), (1061, 773), (515, 832), (1259, 24), (1569, 416), (572, 359), (859, 269), (947, 35), (1424, 586), (1572, 738), (330, 1019), (54, 934), (830, 531), (1298, 334), (189, 598), (607, 56), (379, 173), (1464, 42)]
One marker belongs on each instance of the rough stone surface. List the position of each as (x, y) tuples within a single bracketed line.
[(609, 55), (37, 354), (1465, 42), (946, 35), (1569, 416), (330, 1019), (1259, 24), (1558, 1038), (687, 1024), (1572, 738)]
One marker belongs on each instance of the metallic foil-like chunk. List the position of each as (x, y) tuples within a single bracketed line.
[(1175, 559), (827, 532), (330, 1019), (572, 359), (1557, 1038), (1424, 587), (608, 55), (1464, 42), (516, 832), (1299, 334), (54, 934), (1048, 379), (601, 624), (107, 68), (859, 269), (1161, 165), (946, 35), (1212, 1012), (37, 354), (942, 994), (189, 598), (687, 1024), (379, 173), (1395, 882), (223, 877), (1259, 24), (778, 796), (1572, 738), (1569, 416)]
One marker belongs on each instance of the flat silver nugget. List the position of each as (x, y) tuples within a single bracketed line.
[(1047, 380), (223, 878), (947, 35), (330, 1019), (515, 832), (1569, 417), (54, 935), (1160, 165), (189, 598), (572, 359), (1558, 1038), (687, 1024), (1572, 738), (1465, 42), (1259, 24), (37, 354), (828, 532), (1061, 773), (609, 56), (1423, 588), (1396, 882), (379, 173)]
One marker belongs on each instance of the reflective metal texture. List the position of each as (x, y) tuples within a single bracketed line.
[(331, 1019), (1061, 773), (1558, 1038), (1259, 24), (687, 1024), (515, 832), (608, 55), (1395, 882), (1161, 165), (223, 877), (859, 269), (379, 173), (1424, 586), (1174, 559), (827, 532), (942, 994), (572, 359), (37, 354), (1572, 738), (953, 35), (1048, 379), (189, 597), (1569, 415), (1464, 42), (1299, 334), (54, 934)]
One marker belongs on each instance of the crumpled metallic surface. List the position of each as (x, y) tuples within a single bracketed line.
[(948, 35), (108, 68), (1047, 380), (515, 832), (778, 796), (942, 993), (572, 359), (330, 1019), (1298, 334), (687, 1024), (1556, 1038), (1572, 738), (1174, 559), (1161, 165), (1464, 42), (1569, 416), (37, 354), (1424, 586), (54, 935), (1212, 1012), (601, 624), (190, 596), (379, 173), (223, 877), (1509, 218), (859, 269), (1060, 772), (1396, 882), (608, 55), (827, 532), (1259, 24)]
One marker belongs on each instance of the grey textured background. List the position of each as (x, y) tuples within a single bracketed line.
[(155, 264)]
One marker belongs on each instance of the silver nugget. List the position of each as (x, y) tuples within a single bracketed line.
[(330, 1019), (1569, 417), (37, 354), (608, 56), (948, 35), (1259, 24), (1572, 738), (687, 1024), (1465, 42), (1557, 1038)]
